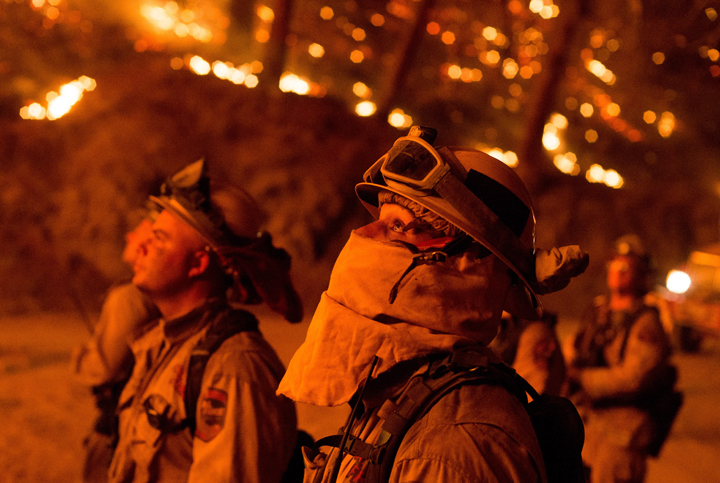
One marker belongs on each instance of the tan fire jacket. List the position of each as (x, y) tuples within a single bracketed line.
[(245, 433), (107, 357), (478, 433)]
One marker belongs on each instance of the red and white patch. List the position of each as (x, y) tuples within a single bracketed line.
[(179, 379), (213, 408)]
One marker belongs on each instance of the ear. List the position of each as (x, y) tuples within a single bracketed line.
[(199, 263)]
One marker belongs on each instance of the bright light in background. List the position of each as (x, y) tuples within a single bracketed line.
[(507, 157), (490, 33), (666, 125), (510, 68), (601, 72), (365, 109), (220, 69), (559, 121), (361, 90), (649, 117), (454, 72), (595, 174), (397, 118), (316, 50), (377, 20), (550, 139), (586, 109), (433, 28), (447, 38), (358, 34), (169, 18), (265, 13), (610, 177), (60, 103), (199, 65), (567, 163), (326, 13), (244, 74), (292, 83), (678, 281), (251, 81), (357, 56), (490, 57), (613, 109), (510, 158)]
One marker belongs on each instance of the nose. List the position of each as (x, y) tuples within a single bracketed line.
[(142, 246), (375, 230)]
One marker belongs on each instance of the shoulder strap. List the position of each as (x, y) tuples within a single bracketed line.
[(227, 325), (630, 322)]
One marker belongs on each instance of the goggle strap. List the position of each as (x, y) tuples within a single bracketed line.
[(453, 162), (486, 223)]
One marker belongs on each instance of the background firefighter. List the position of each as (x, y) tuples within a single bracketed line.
[(619, 372)]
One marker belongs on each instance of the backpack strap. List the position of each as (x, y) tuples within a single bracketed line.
[(477, 365), (226, 325)]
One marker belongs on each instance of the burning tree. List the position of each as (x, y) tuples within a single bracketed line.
[(580, 96)]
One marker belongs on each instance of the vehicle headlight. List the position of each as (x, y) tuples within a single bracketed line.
[(678, 281)]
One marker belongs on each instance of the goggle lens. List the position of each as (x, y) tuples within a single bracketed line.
[(410, 160)]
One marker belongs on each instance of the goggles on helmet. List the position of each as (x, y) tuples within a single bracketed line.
[(412, 164)]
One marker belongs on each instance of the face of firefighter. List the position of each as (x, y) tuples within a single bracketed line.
[(623, 275), (398, 223), (170, 258), (133, 239)]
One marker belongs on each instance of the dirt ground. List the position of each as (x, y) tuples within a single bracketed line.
[(45, 414)]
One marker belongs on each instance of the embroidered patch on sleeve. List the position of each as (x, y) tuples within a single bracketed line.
[(213, 408)]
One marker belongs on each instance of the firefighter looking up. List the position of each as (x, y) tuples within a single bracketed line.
[(451, 247), (201, 404), (105, 361)]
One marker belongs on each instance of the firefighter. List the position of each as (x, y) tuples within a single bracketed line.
[(104, 363), (451, 247), (619, 372), (223, 421)]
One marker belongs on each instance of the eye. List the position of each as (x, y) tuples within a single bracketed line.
[(397, 225)]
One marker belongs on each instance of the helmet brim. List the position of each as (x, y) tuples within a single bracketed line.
[(204, 229)]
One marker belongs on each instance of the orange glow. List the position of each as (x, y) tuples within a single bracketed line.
[(433, 28), (515, 7), (262, 36), (59, 103), (326, 13), (448, 38), (378, 20)]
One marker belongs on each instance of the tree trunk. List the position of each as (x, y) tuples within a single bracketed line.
[(276, 47), (533, 166), (407, 57)]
